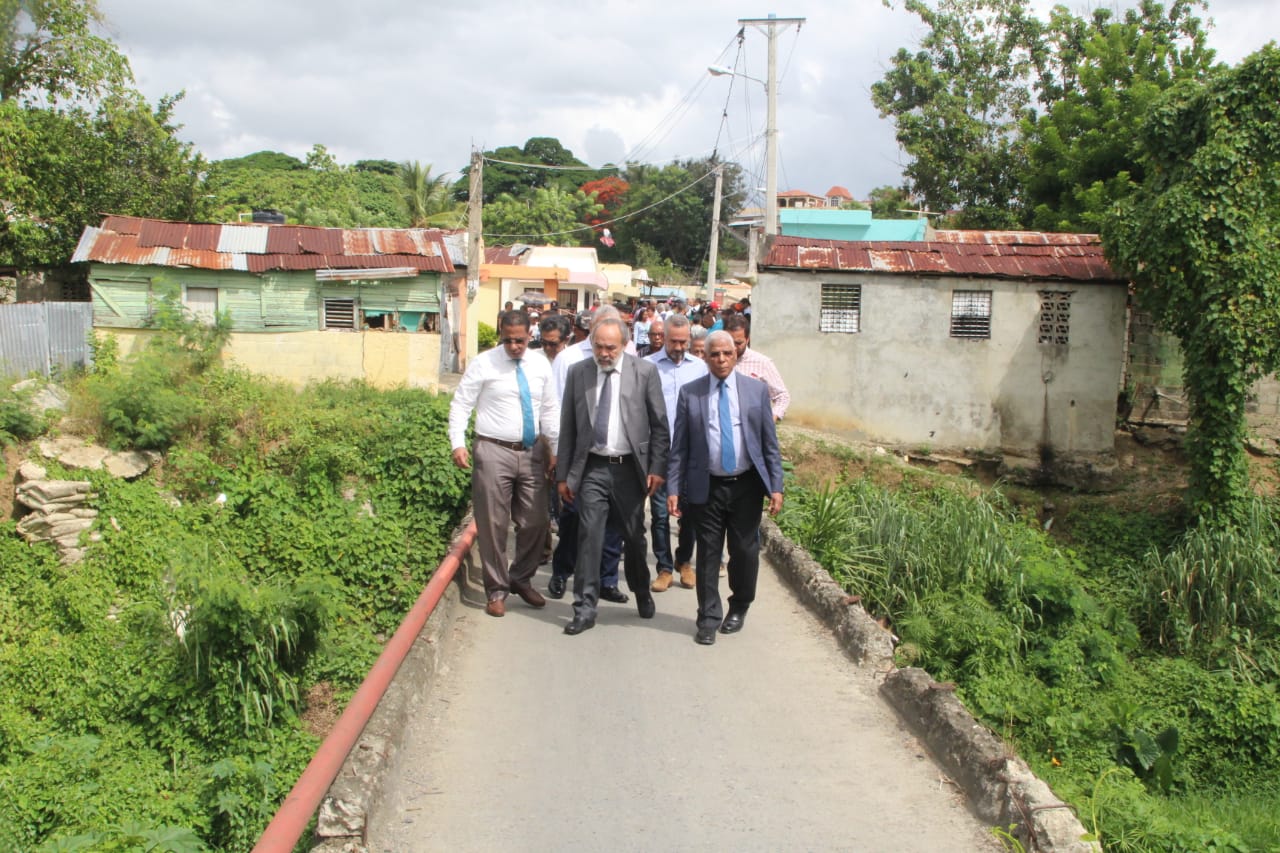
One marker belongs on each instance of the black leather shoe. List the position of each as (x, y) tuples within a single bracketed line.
[(555, 586), (612, 593), (578, 625), (705, 636), (644, 603), (732, 623)]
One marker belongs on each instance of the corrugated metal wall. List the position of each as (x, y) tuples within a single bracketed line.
[(41, 337)]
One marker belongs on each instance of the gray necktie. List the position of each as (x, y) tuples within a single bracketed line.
[(602, 411)]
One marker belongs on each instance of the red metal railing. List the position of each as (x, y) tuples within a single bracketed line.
[(295, 812)]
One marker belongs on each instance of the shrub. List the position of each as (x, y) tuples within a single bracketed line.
[(486, 337)]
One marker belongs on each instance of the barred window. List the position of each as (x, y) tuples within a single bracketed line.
[(971, 314), (339, 313), (841, 308), (1055, 316)]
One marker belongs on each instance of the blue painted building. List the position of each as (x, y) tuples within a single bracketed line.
[(854, 225)]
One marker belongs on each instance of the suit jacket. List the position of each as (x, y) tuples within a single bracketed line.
[(643, 412), (689, 468)]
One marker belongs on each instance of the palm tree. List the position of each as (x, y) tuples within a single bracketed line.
[(425, 196)]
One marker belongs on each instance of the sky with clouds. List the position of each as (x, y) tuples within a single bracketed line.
[(611, 79)]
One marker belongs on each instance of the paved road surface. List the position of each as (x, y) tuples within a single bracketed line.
[(632, 737)]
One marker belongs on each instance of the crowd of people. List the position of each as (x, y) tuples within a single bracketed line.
[(667, 408)]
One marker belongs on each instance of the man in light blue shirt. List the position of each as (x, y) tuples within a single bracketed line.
[(675, 368)]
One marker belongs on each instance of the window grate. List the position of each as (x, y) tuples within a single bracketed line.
[(1055, 316), (971, 314), (841, 308), (339, 313)]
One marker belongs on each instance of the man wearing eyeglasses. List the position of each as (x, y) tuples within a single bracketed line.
[(515, 401)]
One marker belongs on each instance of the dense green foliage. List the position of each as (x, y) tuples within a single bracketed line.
[(1201, 241), (153, 692), (1014, 121), (1068, 655), (319, 191), (75, 138)]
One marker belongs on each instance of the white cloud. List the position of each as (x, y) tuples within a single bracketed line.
[(407, 80)]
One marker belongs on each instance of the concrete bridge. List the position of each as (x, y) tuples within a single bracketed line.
[(506, 734)]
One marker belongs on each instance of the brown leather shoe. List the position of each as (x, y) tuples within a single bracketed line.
[(496, 607), (661, 582), (687, 578), (531, 596)]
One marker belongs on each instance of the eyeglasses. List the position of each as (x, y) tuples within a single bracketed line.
[(514, 341)]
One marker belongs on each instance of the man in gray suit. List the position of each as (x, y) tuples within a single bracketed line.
[(724, 462), (614, 441)]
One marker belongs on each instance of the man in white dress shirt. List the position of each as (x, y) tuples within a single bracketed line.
[(515, 400)]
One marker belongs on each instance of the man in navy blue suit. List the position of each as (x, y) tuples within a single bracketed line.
[(724, 463)]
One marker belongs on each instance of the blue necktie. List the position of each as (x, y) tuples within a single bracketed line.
[(728, 459), (526, 407), (601, 433)]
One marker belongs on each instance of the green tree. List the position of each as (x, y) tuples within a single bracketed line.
[(669, 209), (425, 196), (549, 215), (1201, 240), (501, 177), (49, 52), (957, 103), (1105, 76), (60, 170), (891, 203), (320, 191), (75, 138)]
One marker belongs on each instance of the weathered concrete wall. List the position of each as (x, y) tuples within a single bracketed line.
[(384, 359), (903, 379)]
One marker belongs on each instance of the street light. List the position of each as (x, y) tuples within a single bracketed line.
[(770, 140)]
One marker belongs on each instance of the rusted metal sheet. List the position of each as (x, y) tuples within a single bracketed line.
[(262, 263), (426, 243), (84, 249), (357, 241), (122, 224), (199, 259), (204, 237), (124, 249), (153, 232), (389, 242), (321, 241), (283, 240), (259, 248), (1020, 254)]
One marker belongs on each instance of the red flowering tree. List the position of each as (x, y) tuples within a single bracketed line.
[(609, 193)]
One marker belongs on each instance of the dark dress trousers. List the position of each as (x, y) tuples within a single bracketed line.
[(611, 489), (724, 509)]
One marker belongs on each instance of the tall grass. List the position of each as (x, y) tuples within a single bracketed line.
[(1216, 594), (897, 548)]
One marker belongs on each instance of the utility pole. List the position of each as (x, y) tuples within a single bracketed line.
[(712, 258), (770, 27), (468, 329)]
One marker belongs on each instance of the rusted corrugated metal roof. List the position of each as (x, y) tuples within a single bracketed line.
[(260, 248), (1001, 254), (122, 224)]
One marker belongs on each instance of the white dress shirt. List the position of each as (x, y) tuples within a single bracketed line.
[(489, 387), (571, 355), (617, 442)]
